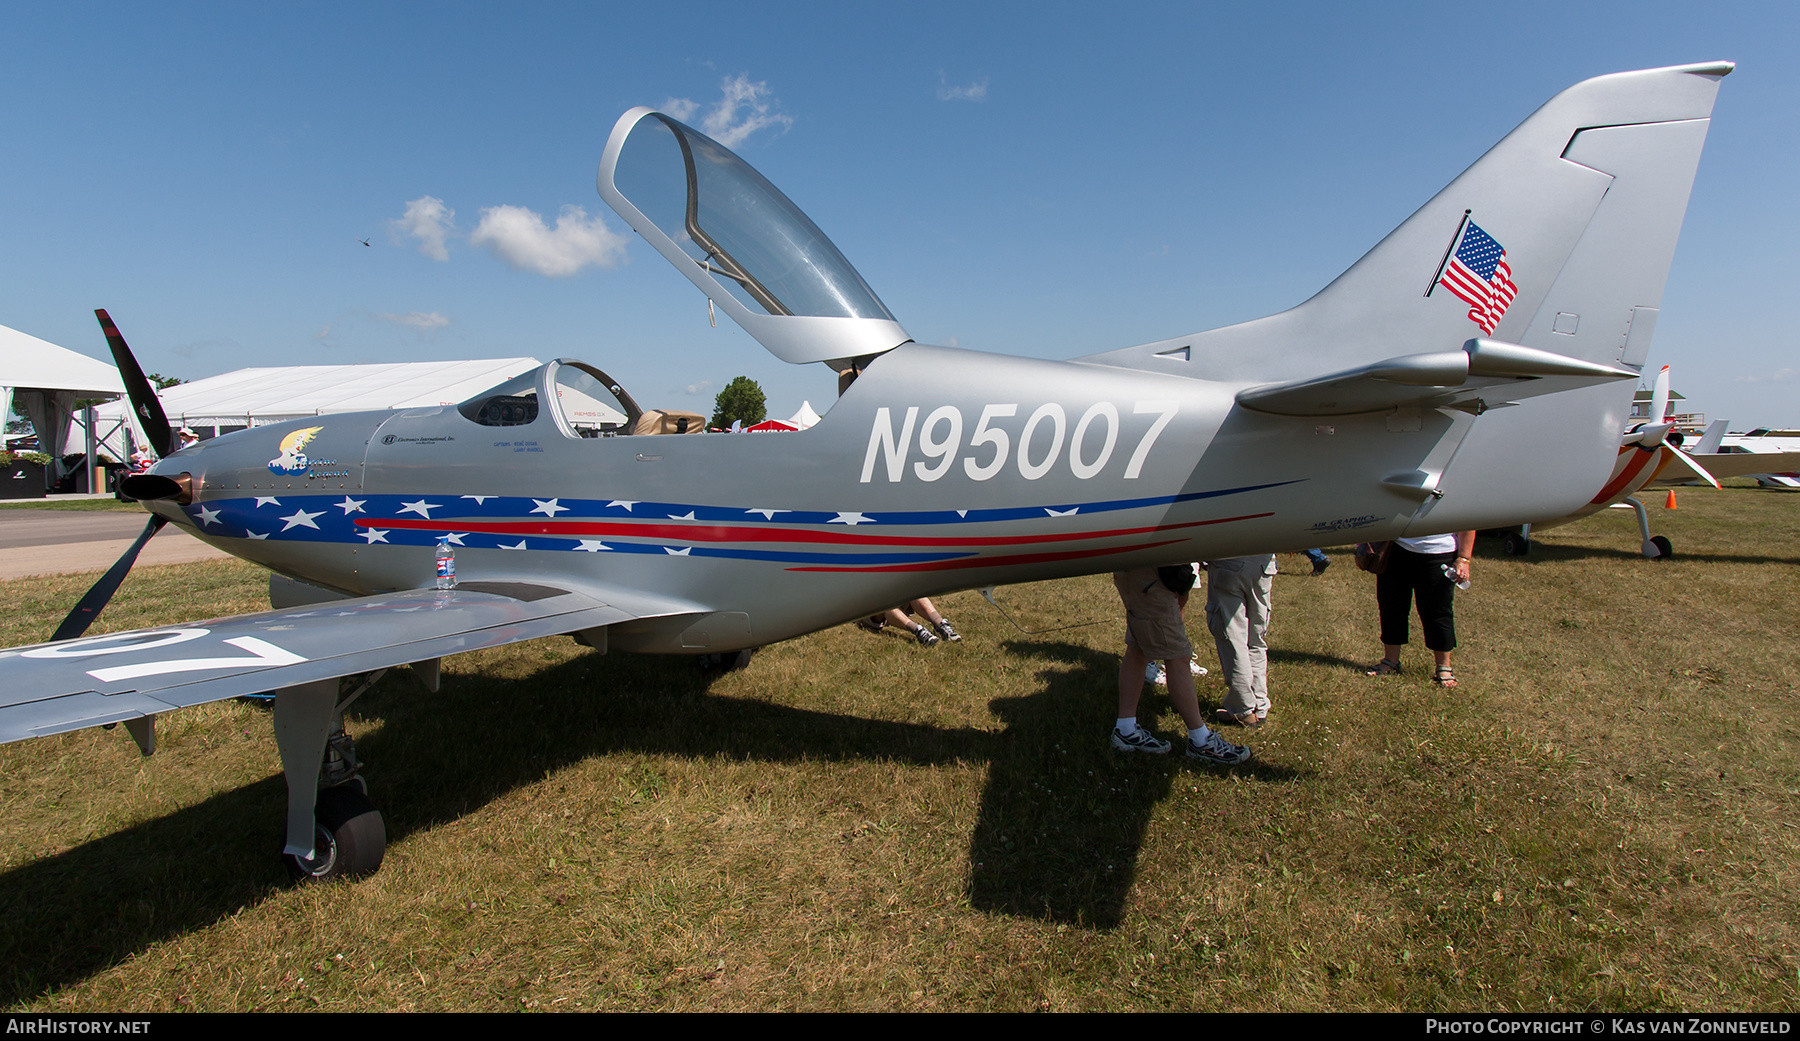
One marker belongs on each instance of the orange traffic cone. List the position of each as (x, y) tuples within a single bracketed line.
[(1671, 503)]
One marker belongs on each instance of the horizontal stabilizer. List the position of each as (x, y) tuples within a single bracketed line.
[(1484, 374)]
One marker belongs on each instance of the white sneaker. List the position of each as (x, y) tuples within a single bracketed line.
[(1139, 740), (1154, 672), (1217, 751)]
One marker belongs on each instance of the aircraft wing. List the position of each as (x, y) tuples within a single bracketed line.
[(1732, 464), (57, 687)]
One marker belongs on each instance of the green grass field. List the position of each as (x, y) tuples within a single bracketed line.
[(1603, 816)]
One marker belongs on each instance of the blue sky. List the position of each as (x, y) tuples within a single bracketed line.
[(1035, 179)]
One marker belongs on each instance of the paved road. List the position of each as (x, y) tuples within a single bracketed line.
[(55, 542)]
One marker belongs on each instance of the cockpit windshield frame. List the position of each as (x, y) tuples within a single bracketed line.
[(815, 306), (521, 401)]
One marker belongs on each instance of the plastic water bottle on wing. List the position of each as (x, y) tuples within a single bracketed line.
[(446, 564)]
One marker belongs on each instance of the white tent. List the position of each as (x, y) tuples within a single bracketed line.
[(45, 380), (804, 418), (255, 397)]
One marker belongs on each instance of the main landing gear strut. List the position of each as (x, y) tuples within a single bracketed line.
[(333, 830)]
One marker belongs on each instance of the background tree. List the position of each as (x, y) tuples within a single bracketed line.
[(741, 400)]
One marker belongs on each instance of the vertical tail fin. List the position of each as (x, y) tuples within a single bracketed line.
[(1560, 237)]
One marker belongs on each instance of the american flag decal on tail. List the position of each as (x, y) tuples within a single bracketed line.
[(1479, 274)]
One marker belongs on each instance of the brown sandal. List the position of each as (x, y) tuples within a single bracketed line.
[(1386, 667)]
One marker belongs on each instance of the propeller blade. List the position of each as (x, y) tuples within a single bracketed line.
[(96, 598), (1659, 411), (151, 418), (1688, 461)]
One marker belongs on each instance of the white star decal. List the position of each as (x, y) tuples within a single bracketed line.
[(521, 545), (302, 519), (455, 538), (549, 509), (1063, 513), (689, 515), (682, 552), (420, 507), (851, 518), (253, 535), (627, 504), (208, 516), (767, 513), (350, 505), (592, 546), (373, 535), (479, 499), (267, 500), (964, 514)]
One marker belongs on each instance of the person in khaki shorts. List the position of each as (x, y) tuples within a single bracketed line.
[(1154, 630)]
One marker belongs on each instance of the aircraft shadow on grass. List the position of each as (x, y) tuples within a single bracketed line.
[(1061, 822)]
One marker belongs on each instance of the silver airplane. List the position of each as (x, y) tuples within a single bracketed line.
[(1473, 370)]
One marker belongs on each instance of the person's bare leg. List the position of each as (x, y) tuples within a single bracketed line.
[(1131, 681), (1181, 695)]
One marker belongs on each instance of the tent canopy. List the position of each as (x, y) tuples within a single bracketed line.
[(26, 361), (46, 380)]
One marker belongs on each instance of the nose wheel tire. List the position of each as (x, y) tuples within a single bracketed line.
[(349, 838), (1515, 544), (1661, 545)]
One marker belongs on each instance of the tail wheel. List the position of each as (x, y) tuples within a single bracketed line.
[(1663, 550), (349, 838)]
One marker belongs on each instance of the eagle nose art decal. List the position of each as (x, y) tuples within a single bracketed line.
[(292, 459)]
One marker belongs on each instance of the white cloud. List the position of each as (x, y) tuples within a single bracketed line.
[(415, 319), (1778, 376), (520, 237), (976, 91), (428, 220), (743, 108), (702, 387)]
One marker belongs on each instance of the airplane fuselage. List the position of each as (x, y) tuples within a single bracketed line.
[(912, 485)]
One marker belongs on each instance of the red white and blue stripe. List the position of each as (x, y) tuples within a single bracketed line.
[(799, 540)]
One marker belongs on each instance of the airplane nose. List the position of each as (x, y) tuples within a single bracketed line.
[(154, 487)]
